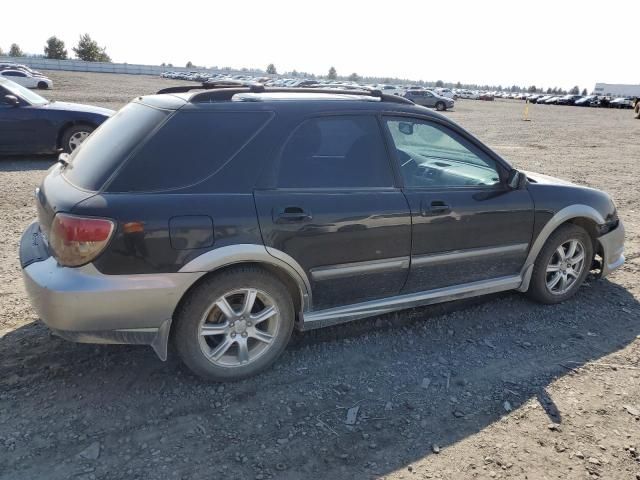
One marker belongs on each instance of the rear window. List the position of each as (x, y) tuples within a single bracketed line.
[(99, 156), (190, 147)]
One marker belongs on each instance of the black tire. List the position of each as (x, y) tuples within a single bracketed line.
[(68, 137), (538, 289), (440, 106), (43, 85), (189, 318)]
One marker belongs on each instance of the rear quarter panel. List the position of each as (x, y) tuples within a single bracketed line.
[(142, 244)]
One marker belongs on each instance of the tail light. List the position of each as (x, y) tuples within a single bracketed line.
[(76, 241)]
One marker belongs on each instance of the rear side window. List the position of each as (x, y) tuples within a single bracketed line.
[(335, 152), (190, 147), (98, 157)]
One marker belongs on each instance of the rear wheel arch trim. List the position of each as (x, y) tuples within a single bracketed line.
[(559, 218), (251, 253)]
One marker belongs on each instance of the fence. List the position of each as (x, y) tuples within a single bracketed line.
[(39, 63)]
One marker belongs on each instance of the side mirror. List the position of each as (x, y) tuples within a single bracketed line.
[(11, 100), (406, 128), (516, 180)]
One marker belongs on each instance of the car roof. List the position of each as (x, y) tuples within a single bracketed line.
[(299, 100)]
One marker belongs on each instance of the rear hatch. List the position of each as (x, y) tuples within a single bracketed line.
[(99, 157)]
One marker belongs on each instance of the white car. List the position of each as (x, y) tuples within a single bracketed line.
[(26, 79), (446, 92)]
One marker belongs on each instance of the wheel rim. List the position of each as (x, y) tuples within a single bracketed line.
[(76, 139), (565, 267), (239, 327)]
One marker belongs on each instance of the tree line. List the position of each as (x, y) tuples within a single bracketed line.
[(87, 49)]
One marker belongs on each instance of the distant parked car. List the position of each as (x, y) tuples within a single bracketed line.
[(553, 100), (623, 102), (27, 79), (588, 101), (428, 98), (543, 99), (30, 124), (568, 99), (487, 96), (19, 66), (445, 92)]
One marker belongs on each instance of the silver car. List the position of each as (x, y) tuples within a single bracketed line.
[(427, 98)]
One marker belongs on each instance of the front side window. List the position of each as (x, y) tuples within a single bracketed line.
[(431, 155), (335, 152)]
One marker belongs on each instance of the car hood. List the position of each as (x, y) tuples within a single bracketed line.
[(546, 179), (79, 107)]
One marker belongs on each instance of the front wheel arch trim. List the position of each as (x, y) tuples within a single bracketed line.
[(567, 214)]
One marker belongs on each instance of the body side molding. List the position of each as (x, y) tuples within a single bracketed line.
[(455, 255), (567, 213), (349, 269)]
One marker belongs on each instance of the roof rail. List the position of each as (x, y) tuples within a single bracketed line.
[(226, 94), (254, 86)]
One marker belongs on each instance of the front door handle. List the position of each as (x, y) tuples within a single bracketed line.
[(436, 207), (291, 215)]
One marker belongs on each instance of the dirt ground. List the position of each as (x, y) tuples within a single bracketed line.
[(498, 387)]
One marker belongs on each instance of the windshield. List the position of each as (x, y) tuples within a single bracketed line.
[(24, 93)]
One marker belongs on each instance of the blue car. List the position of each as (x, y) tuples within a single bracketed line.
[(30, 124)]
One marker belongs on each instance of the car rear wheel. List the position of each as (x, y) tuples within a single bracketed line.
[(440, 106), (74, 136), (562, 265), (234, 324), (43, 85)]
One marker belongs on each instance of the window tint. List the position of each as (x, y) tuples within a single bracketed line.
[(432, 156), (335, 152), (105, 149), (189, 148)]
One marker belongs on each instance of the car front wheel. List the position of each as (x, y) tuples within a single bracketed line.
[(440, 106), (234, 324), (562, 265)]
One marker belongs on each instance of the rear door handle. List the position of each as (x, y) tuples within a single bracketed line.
[(291, 215), (436, 207)]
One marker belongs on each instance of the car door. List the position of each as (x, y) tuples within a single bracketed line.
[(333, 206), (11, 133), (429, 99), (468, 225), (26, 128), (19, 77)]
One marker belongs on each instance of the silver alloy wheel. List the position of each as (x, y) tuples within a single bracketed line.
[(76, 139), (238, 327), (565, 266)]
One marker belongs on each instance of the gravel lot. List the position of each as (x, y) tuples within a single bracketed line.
[(493, 388)]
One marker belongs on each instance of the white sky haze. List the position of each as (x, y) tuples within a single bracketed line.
[(546, 43)]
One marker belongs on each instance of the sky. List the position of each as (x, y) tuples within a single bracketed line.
[(544, 43)]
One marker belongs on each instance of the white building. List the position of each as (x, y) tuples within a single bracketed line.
[(617, 90)]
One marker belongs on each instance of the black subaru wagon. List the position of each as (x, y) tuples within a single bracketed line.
[(222, 219)]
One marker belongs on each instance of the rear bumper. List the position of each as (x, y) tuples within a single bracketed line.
[(84, 305), (612, 245)]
